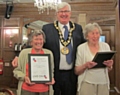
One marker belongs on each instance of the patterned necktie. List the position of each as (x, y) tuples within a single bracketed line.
[(69, 55)]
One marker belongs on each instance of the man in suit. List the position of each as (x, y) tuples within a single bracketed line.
[(65, 79)]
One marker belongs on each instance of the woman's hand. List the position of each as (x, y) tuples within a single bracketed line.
[(108, 63), (80, 69), (90, 64), (51, 83), (27, 81)]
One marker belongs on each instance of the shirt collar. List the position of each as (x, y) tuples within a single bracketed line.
[(61, 25)]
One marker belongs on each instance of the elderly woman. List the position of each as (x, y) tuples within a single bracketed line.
[(25, 86), (92, 81)]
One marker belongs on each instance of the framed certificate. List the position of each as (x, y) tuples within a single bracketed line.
[(39, 68), (100, 57)]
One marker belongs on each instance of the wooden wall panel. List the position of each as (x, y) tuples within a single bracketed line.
[(0, 54), (28, 9), (8, 55), (109, 31), (117, 47), (15, 22), (100, 11)]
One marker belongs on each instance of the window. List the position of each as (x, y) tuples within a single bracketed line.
[(102, 38)]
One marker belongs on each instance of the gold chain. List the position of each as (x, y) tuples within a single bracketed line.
[(62, 40)]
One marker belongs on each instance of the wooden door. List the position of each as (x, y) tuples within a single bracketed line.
[(109, 33)]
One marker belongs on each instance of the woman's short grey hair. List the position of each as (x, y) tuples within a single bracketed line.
[(36, 33), (62, 5), (90, 27)]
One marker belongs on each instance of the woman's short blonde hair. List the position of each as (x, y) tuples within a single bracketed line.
[(90, 27)]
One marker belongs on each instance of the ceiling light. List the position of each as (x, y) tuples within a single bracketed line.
[(48, 5)]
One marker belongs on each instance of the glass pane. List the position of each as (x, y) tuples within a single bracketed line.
[(102, 39), (11, 37)]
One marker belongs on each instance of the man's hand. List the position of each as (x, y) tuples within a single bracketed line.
[(15, 62)]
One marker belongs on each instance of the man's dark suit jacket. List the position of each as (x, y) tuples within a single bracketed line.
[(52, 43)]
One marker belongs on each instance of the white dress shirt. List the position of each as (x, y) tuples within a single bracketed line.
[(63, 64)]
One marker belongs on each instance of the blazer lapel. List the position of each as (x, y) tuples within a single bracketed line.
[(56, 35), (73, 34)]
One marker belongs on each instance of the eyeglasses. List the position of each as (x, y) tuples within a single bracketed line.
[(66, 11)]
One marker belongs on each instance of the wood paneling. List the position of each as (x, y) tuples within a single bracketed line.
[(6, 51), (117, 47), (28, 9), (101, 11)]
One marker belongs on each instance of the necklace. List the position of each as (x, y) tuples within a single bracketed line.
[(64, 42)]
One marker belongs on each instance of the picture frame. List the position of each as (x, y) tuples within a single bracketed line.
[(100, 57), (39, 68)]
